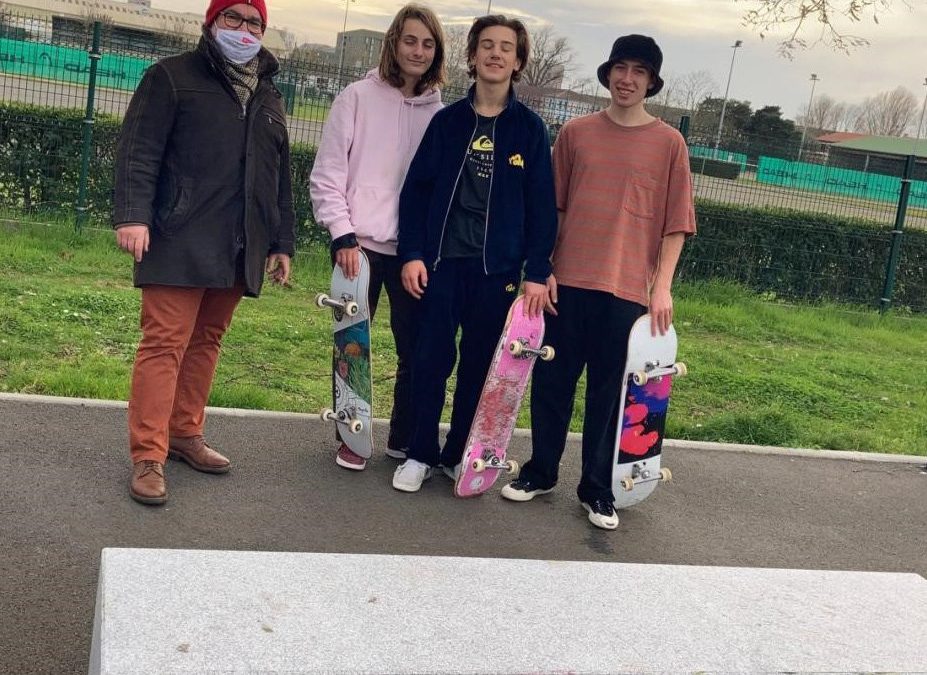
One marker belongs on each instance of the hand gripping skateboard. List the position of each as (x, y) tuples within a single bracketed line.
[(352, 382), (645, 392), (497, 410)]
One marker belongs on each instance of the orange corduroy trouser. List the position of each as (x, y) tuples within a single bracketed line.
[(182, 330)]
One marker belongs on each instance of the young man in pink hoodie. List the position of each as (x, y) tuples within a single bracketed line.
[(373, 130)]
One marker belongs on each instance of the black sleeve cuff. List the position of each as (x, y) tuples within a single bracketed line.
[(348, 240)]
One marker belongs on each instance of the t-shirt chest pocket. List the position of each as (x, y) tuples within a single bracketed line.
[(641, 196)]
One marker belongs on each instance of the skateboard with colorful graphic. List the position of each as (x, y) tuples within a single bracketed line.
[(484, 455), (352, 383), (645, 393)]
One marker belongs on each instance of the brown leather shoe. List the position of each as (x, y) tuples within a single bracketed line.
[(148, 486), (196, 453)]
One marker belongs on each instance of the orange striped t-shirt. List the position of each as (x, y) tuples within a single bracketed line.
[(620, 190)]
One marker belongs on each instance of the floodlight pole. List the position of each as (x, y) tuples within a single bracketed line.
[(804, 127), (727, 88)]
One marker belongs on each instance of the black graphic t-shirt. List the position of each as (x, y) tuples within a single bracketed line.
[(466, 222)]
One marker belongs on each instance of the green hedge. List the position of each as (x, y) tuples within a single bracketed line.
[(40, 156), (791, 254), (800, 254), (714, 167)]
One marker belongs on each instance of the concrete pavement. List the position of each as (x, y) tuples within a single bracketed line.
[(63, 497)]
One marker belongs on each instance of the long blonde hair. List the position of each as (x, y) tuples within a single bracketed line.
[(389, 64)]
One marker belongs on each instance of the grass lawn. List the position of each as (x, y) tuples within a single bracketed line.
[(311, 110), (761, 373)]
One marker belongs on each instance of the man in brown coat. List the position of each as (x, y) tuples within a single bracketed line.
[(203, 203)]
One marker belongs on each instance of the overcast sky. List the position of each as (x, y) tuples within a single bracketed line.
[(694, 35)]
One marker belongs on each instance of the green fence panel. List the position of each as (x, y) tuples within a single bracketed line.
[(820, 178), (68, 64), (702, 151)]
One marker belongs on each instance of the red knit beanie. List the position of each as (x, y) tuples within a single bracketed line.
[(216, 6)]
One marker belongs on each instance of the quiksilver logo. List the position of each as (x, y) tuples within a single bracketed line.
[(482, 144)]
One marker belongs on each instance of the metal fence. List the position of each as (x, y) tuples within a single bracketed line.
[(86, 72)]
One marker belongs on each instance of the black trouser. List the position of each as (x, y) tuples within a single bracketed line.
[(459, 295), (591, 330), (385, 271)]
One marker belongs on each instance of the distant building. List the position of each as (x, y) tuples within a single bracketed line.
[(317, 54), (134, 27), (880, 154), (359, 48)]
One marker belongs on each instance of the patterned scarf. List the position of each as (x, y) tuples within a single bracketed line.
[(244, 78)]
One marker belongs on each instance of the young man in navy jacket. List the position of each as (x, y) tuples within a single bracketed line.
[(476, 210)]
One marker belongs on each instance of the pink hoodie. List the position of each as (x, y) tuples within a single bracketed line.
[(368, 142)]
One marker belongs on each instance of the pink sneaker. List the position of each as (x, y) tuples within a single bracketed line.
[(349, 460)]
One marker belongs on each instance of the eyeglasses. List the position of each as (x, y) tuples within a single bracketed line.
[(234, 20)]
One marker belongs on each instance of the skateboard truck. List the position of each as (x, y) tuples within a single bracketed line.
[(653, 371), (641, 474), (355, 426), (509, 466), (344, 306), (520, 348)]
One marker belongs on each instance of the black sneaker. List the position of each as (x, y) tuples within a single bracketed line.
[(523, 490), (602, 514)]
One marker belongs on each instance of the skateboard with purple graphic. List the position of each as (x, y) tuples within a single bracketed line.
[(645, 394), (484, 455), (352, 382)]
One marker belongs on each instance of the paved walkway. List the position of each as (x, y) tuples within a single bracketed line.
[(64, 472)]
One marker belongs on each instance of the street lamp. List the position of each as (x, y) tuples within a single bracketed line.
[(921, 123), (804, 128), (727, 88), (489, 7), (344, 37)]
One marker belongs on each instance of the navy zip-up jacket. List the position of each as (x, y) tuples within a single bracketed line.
[(521, 224)]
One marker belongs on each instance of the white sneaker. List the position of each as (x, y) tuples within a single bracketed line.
[(453, 474), (602, 514), (410, 475)]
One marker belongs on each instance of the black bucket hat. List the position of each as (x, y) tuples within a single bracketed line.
[(638, 47)]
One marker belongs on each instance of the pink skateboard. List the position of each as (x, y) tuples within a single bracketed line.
[(494, 421)]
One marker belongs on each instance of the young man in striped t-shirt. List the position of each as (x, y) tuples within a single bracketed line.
[(624, 199)]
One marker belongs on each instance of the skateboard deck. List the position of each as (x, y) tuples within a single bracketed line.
[(352, 382), (645, 394), (484, 455)]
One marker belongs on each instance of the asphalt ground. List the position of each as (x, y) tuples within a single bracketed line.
[(63, 497)]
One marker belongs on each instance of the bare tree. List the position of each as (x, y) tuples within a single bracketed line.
[(551, 59), (826, 114), (815, 21), (455, 56), (668, 94), (693, 88), (888, 113), (850, 115)]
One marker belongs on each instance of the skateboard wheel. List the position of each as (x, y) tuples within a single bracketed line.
[(681, 369), (479, 465), (512, 467), (516, 348), (547, 353), (640, 378), (320, 299), (666, 475), (351, 308), (355, 426), (627, 484), (327, 415)]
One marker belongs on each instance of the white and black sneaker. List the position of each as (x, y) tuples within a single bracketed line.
[(602, 514), (523, 490)]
